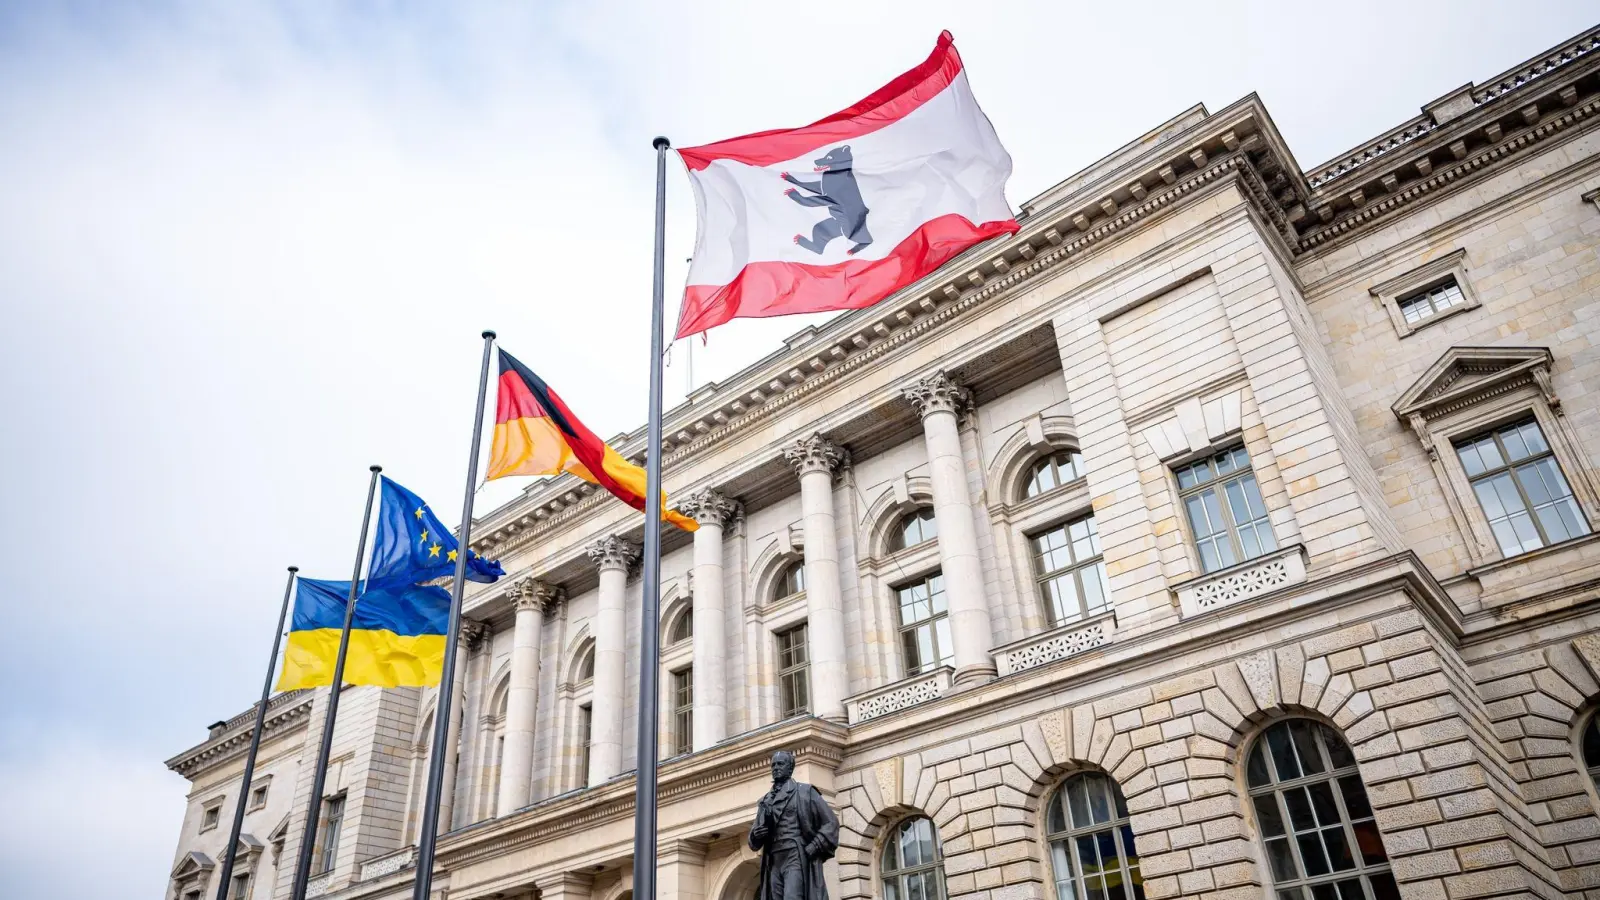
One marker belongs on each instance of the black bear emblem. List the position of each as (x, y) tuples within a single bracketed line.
[(847, 212)]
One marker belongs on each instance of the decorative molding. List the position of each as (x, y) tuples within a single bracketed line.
[(612, 552), (286, 711), (1388, 293), (1056, 644), (379, 866), (1464, 376), (709, 507), (1283, 567), (473, 633), (319, 885), (815, 454), (902, 694), (937, 393), (531, 593)]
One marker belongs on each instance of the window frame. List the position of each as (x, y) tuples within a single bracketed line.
[(1276, 790), (331, 813), (1049, 460), (240, 890), (259, 788), (1042, 579), (681, 694), (583, 737), (784, 587), (926, 523), (893, 880), (1586, 748), (211, 814), (792, 673), (943, 656), (1511, 467), (682, 621), (1218, 483), (1390, 293), (1117, 825)]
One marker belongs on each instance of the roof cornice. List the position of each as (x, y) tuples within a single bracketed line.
[(285, 712)]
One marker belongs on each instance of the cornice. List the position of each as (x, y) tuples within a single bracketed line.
[(285, 712)]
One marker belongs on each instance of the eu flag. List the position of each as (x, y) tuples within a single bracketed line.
[(413, 546)]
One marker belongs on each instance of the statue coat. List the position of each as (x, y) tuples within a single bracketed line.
[(819, 829)]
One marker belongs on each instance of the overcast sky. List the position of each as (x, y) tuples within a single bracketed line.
[(246, 250)]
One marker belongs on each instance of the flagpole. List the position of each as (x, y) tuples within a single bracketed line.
[(428, 835), (302, 872), (255, 744), (644, 801)]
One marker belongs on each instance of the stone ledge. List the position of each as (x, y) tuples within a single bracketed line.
[(902, 694), (1056, 644), (1279, 569)]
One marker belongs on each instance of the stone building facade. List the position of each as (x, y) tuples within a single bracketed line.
[(1228, 533)]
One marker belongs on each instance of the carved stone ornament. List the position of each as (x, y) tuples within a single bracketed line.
[(708, 507), (473, 633), (612, 552), (937, 393), (815, 454), (530, 593)]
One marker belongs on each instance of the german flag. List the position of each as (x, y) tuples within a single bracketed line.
[(535, 434)]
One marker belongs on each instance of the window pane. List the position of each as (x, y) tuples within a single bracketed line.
[(1257, 774), (1338, 849), (1338, 751), (1305, 745), (1355, 797), (1383, 887), (1283, 867), (1268, 817), (1078, 795), (1312, 855), (1299, 806), (1282, 753), (1371, 844)]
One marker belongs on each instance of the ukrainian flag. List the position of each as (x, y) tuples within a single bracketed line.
[(397, 636)]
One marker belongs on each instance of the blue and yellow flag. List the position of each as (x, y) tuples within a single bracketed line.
[(413, 546), (397, 636)]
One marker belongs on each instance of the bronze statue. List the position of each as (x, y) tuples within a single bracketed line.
[(796, 833)]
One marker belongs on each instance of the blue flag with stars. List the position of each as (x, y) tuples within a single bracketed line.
[(413, 546)]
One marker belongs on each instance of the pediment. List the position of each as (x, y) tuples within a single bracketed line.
[(279, 834), (1465, 374), (192, 863)]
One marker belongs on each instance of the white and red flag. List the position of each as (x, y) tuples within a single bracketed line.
[(849, 209)]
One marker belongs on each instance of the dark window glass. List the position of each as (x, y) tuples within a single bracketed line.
[(683, 711), (1053, 471), (586, 662), (1313, 817), (913, 529), (913, 867), (1092, 854), (1521, 488), (328, 833), (1227, 517), (794, 670), (793, 580), (682, 626)]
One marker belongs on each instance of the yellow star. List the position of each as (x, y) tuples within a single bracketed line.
[(418, 513), (451, 556), (434, 550), (423, 539)]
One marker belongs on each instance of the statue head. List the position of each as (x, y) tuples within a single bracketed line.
[(782, 766)]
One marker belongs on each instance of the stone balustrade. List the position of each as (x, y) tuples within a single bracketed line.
[(902, 694)]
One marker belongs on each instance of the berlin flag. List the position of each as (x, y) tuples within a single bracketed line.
[(849, 209)]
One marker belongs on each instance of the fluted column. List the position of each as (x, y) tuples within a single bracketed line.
[(516, 761), (815, 459), (614, 556), (939, 399), (710, 509), (472, 635)]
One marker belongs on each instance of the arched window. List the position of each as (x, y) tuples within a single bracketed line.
[(682, 627), (1051, 472), (913, 529), (1311, 808), (1091, 845), (586, 662), (913, 867), (792, 581), (1591, 749)]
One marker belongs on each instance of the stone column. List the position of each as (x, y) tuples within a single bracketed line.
[(565, 886), (681, 868), (815, 458), (711, 509), (472, 636), (939, 399), (516, 760), (615, 557)]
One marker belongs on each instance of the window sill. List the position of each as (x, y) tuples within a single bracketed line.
[(898, 695), (1056, 644), (1407, 329), (1252, 578), (1527, 575)]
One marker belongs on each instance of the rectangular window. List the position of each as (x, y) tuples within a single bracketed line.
[(585, 739), (328, 833), (925, 625), (258, 797), (794, 671), (1521, 488), (1070, 571), (1227, 517), (241, 887), (211, 816), (1429, 302), (682, 711)]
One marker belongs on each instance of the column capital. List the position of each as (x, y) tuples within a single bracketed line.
[(815, 454), (531, 593), (937, 393), (612, 552), (473, 632), (708, 507)]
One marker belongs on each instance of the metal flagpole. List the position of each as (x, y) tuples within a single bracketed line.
[(644, 798), (255, 744), (429, 832), (302, 872)]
